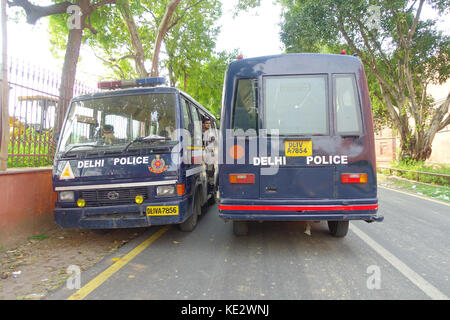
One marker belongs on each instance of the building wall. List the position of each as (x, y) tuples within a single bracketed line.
[(441, 147), (26, 204)]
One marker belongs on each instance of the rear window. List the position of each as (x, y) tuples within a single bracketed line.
[(296, 105), (346, 104), (245, 114)]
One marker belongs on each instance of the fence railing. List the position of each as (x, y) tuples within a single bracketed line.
[(33, 110), (417, 174)]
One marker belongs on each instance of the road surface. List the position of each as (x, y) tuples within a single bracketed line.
[(407, 256)]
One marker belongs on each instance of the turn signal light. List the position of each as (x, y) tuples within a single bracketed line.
[(242, 178), (354, 178), (181, 189)]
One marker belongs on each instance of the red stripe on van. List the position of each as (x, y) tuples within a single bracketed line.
[(298, 208)]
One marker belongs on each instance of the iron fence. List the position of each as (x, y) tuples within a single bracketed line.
[(33, 113)]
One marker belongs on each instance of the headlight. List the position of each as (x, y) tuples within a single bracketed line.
[(66, 196), (165, 191)]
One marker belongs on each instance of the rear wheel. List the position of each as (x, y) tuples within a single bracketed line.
[(191, 222), (101, 231), (240, 228), (338, 228)]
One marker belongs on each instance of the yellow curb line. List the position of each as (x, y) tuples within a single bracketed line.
[(102, 277), (411, 194)]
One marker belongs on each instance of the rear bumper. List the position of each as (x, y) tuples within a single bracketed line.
[(298, 212), (120, 216)]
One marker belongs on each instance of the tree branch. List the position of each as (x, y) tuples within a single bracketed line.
[(89, 25), (183, 14), (416, 21), (34, 13), (102, 3), (111, 62), (441, 112), (445, 123)]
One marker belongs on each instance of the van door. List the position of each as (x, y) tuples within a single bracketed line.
[(240, 144), (296, 121)]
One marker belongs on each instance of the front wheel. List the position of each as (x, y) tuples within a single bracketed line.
[(191, 222), (338, 229)]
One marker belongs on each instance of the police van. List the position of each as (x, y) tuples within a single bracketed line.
[(133, 157), (297, 142)]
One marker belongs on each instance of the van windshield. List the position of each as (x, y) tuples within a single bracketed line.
[(113, 122), (296, 105)]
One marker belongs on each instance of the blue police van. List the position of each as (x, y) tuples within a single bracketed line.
[(134, 157), (297, 142)]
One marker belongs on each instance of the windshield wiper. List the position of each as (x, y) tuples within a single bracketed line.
[(79, 146), (144, 139)]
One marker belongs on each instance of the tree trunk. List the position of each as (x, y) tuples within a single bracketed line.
[(68, 75), (135, 40), (69, 69), (162, 30)]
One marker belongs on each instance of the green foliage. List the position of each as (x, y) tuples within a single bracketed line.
[(438, 192), (189, 57), (191, 42), (205, 84), (39, 237), (31, 142), (391, 59), (422, 167)]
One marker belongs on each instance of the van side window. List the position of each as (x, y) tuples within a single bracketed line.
[(185, 111), (197, 126), (187, 123), (346, 105), (245, 115)]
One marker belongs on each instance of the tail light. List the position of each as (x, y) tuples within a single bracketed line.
[(354, 178), (242, 178)]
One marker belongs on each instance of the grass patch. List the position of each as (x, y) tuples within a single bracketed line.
[(436, 192), (420, 166), (39, 237), (36, 145)]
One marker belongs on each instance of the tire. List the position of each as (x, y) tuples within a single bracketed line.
[(240, 228), (101, 231), (191, 222), (338, 229), (212, 200)]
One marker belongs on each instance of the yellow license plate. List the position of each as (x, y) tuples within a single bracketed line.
[(162, 211), (298, 148)]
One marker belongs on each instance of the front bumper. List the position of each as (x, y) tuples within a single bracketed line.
[(120, 216), (300, 211)]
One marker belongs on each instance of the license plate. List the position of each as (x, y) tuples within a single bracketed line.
[(162, 211), (298, 148)]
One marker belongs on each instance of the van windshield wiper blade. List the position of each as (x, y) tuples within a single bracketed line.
[(79, 146), (144, 139)]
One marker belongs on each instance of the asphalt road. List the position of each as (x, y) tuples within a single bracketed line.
[(407, 256)]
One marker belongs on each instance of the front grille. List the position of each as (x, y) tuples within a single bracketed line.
[(107, 197)]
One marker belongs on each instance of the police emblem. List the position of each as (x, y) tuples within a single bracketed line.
[(157, 165)]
